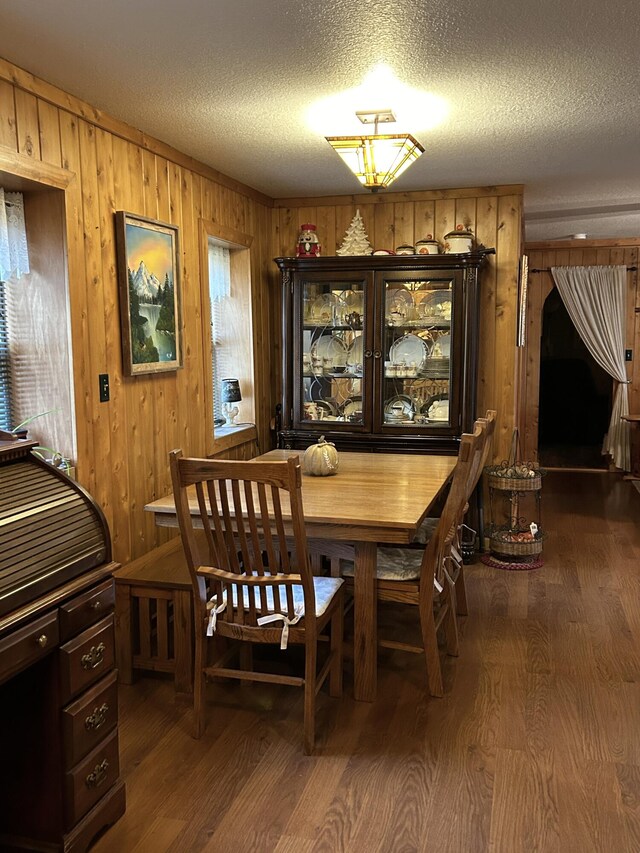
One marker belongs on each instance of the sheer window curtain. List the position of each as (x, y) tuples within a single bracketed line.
[(14, 257), (595, 298)]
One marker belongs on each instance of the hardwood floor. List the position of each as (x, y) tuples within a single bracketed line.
[(534, 747)]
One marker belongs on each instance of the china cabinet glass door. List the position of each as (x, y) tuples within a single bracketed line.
[(417, 352), (333, 354)]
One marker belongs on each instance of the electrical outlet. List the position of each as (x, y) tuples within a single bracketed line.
[(628, 355), (103, 382)]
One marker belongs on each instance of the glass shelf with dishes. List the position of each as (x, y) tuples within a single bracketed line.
[(412, 403), (332, 352)]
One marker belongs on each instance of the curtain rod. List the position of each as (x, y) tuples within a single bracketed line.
[(548, 269)]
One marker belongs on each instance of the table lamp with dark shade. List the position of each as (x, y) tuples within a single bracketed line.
[(230, 395)]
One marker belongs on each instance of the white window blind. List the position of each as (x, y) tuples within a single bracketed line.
[(14, 261), (221, 335), (5, 367)]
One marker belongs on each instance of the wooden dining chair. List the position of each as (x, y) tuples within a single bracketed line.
[(251, 577), (486, 426), (423, 578)]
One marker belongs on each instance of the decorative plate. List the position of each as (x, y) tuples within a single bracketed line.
[(330, 347), (436, 305), (442, 347), (352, 406), (355, 352), (327, 309), (354, 300), (399, 409), (399, 306), (409, 349)]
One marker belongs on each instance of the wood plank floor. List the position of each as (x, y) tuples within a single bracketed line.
[(535, 746)]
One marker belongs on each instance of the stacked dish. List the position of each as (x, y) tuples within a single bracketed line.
[(409, 350)]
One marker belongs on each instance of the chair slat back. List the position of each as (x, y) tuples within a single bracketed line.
[(488, 425), (438, 549), (254, 545)]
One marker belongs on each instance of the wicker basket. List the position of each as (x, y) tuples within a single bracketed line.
[(515, 484), (516, 549)]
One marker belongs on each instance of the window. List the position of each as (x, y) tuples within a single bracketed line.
[(6, 421), (228, 283), (14, 262), (223, 342), (35, 350)]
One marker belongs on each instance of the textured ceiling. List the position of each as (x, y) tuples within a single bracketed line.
[(544, 94)]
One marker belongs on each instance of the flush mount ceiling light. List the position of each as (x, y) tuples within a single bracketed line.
[(377, 160)]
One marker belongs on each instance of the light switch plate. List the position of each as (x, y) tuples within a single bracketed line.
[(103, 382)]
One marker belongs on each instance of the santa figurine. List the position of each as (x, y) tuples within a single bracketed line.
[(308, 245)]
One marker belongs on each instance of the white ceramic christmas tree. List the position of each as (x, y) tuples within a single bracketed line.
[(355, 240)]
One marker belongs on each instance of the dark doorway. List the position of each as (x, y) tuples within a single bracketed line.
[(575, 395)]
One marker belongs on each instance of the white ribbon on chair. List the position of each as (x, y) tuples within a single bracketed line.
[(214, 609), (276, 617)]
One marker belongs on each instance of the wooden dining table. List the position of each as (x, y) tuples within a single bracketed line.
[(373, 498)]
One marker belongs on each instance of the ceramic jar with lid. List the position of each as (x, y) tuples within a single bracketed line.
[(459, 241), (428, 246), (405, 249)]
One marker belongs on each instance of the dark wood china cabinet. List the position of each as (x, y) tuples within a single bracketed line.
[(380, 352)]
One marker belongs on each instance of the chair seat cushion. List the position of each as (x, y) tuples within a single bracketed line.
[(325, 588), (426, 530), (393, 564)]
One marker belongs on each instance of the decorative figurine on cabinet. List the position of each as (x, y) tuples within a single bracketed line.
[(308, 243)]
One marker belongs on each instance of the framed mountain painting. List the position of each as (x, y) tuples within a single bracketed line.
[(148, 281)]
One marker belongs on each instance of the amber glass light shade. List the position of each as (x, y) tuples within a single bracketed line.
[(377, 161)]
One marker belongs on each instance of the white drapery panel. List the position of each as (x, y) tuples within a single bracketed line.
[(14, 257), (595, 298)]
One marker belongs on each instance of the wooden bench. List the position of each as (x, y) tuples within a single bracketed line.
[(154, 622)]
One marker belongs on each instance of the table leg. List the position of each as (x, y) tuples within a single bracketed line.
[(365, 640)]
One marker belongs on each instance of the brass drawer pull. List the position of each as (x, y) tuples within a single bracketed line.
[(42, 640), (96, 605), (97, 719), (94, 658), (98, 775)]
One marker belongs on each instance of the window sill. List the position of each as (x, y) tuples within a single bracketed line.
[(226, 437)]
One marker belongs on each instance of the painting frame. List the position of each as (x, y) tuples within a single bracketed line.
[(148, 266)]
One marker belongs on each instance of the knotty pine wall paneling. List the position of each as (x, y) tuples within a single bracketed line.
[(494, 214), (542, 256), (123, 445)]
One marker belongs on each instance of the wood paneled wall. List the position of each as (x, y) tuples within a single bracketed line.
[(494, 214), (123, 445), (543, 256)]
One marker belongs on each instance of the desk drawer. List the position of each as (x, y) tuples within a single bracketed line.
[(27, 645), (86, 658), (89, 719), (84, 609), (91, 779)]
